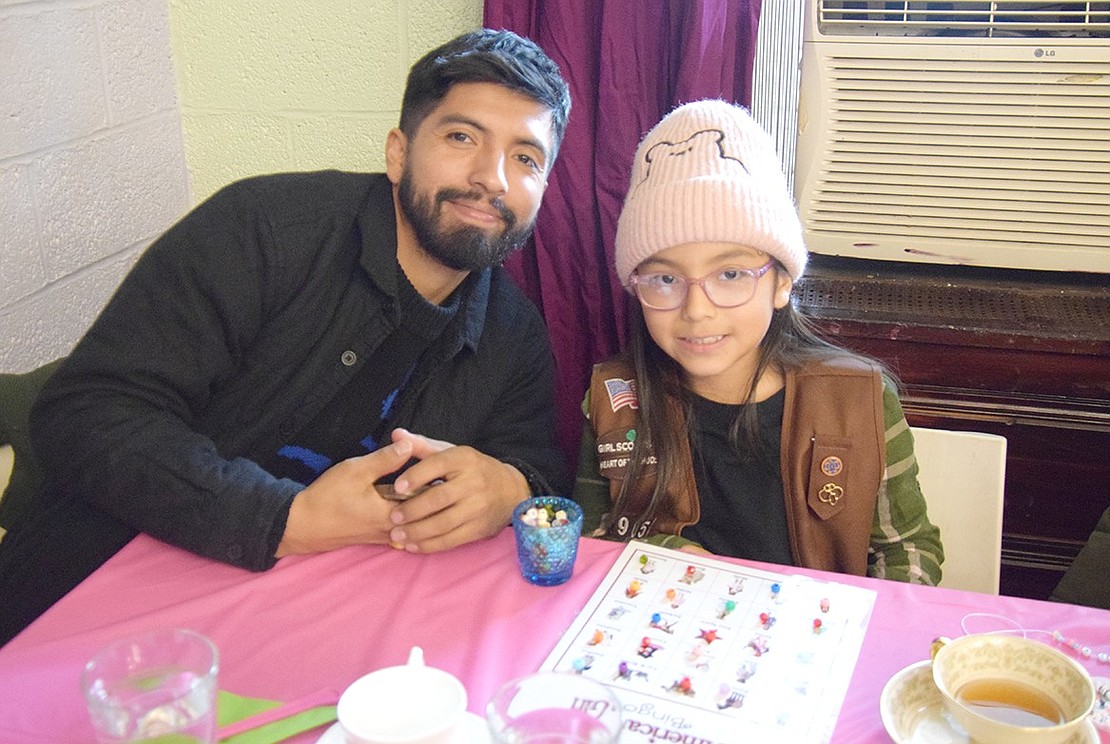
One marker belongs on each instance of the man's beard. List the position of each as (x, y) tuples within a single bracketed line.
[(465, 248)]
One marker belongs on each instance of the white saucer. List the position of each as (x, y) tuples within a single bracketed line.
[(472, 730), (913, 711)]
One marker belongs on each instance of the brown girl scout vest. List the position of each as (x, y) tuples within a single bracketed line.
[(833, 457)]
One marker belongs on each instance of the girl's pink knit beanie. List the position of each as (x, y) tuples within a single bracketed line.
[(708, 173)]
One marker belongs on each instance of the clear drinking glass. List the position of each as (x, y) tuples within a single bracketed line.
[(554, 708), (158, 686)]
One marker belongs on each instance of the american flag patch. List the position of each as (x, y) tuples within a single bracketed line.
[(622, 393)]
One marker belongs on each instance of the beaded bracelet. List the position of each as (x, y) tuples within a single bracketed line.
[(1102, 657), (1084, 651)]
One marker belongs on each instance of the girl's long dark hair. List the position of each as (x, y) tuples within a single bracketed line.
[(666, 416)]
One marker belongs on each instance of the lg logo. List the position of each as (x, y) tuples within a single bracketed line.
[(1038, 53)]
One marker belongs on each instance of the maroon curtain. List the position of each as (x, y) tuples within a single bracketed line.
[(628, 62)]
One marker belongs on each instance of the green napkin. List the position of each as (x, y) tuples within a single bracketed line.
[(231, 708)]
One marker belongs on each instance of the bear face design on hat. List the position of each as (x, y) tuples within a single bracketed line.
[(708, 173)]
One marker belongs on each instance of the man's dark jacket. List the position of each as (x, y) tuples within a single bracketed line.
[(231, 333)]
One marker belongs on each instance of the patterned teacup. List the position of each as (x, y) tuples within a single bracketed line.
[(1007, 690)]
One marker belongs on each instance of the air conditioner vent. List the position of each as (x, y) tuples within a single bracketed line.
[(964, 18), (971, 153)]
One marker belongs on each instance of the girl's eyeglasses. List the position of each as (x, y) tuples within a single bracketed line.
[(730, 286)]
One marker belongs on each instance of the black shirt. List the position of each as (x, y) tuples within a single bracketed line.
[(743, 513), (357, 420)]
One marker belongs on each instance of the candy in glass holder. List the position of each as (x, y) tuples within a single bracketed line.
[(547, 529)]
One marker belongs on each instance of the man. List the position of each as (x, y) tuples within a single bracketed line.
[(227, 397)]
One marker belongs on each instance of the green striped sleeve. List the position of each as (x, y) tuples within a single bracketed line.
[(905, 545)]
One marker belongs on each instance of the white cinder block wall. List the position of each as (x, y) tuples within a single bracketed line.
[(91, 162), (117, 115), (273, 85)]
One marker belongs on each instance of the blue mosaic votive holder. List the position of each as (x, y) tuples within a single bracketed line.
[(547, 554)]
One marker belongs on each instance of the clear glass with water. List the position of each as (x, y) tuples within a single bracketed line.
[(156, 687), (554, 708)]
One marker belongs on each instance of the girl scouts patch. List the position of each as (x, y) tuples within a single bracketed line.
[(614, 453), (621, 393)]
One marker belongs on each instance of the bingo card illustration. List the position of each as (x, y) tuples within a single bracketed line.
[(700, 650)]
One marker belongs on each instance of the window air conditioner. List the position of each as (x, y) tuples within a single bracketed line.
[(958, 132)]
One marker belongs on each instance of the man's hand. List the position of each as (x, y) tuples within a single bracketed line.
[(342, 507), (473, 498)]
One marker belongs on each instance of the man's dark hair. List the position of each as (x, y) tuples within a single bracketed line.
[(486, 56)]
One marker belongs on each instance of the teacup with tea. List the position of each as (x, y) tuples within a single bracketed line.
[(1008, 690)]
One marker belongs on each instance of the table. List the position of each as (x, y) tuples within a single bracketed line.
[(325, 620)]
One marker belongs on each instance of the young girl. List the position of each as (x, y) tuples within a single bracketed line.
[(727, 425)]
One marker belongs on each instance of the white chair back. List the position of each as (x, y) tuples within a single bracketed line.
[(962, 475), (7, 462)]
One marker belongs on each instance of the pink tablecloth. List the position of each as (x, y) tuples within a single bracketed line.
[(323, 621)]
